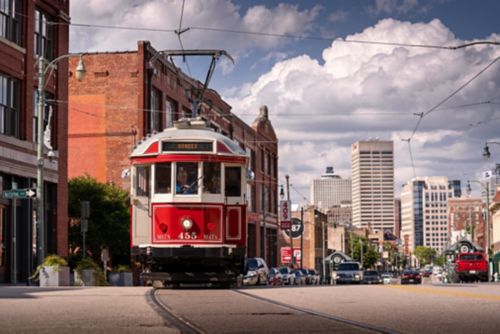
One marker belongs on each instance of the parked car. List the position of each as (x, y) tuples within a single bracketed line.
[(288, 275), (315, 277), (411, 276), (308, 276), (256, 271), (348, 272), (275, 277), (300, 277), (386, 278), (371, 277)]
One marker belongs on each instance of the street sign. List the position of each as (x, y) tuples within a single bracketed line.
[(285, 254), (285, 215), (19, 193), (297, 228)]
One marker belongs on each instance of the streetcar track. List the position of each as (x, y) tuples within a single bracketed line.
[(171, 318), (353, 323)]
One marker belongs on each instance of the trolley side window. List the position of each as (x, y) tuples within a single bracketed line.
[(211, 178), (142, 177), (163, 178), (186, 178), (233, 181)]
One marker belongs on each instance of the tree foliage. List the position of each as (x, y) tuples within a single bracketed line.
[(424, 254), (362, 246), (109, 222)]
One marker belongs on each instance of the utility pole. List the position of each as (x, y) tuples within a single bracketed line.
[(302, 238), (287, 177), (488, 227), (264, 194)]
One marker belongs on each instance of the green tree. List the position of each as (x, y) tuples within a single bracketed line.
[(424, 254), (439, 260), (109, 222), (370, 254)]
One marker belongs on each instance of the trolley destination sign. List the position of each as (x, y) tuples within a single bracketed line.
[(19, 193)]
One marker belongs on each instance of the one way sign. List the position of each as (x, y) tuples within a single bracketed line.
[(19, 193)]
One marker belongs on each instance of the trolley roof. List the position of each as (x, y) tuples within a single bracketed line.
[(187, 130)]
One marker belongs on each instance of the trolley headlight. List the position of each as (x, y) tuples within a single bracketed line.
[(186, 223)]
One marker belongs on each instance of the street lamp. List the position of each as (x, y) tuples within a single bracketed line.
[(486, 149), (43, 66), (486, 185)]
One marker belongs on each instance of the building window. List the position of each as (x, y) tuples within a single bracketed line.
[(171, 114), (10, 27), (44, 35), (154, 112), (9, 106)]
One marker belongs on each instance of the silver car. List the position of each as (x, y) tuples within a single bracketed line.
[(256, 271)]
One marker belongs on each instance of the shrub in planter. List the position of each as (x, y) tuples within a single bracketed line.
[(121, 276), (53, 271), (88, 273)]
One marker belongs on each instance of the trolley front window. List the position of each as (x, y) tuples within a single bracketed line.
[(163, 178), (211, 178), (187, 178), (233, 181), (142, 177)]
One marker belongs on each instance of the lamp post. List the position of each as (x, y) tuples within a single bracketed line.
[(287, 177), (43, 66), (486, 186)]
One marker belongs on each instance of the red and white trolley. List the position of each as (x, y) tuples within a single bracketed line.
[(188, 214)]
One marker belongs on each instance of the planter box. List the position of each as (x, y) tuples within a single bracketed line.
[(87, 278), (54, 276), (120, 279)]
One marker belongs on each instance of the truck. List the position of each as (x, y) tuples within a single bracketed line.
[(471, 267), (348, 272)]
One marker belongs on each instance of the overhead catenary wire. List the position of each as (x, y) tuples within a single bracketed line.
[(277, 35), (435, 107)]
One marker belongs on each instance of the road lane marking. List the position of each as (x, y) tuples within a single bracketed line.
[(447, 292)]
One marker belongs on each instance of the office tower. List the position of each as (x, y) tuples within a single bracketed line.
[(373, 184), (424, 211), (330, 190)]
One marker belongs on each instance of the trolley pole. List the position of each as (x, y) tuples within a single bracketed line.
[(287, 177)]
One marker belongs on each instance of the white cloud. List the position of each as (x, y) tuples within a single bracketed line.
[(362, 91), (165, 14)]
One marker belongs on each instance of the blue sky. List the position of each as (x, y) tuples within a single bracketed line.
[(324, 94)]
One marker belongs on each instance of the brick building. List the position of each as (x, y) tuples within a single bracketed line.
[(465, 220), (128, 95), (26, 32)]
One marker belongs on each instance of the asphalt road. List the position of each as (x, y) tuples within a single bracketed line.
[(78, 310), (427, 308)]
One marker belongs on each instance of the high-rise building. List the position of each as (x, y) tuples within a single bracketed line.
[(424, 211), (330, 190), (373, 184)]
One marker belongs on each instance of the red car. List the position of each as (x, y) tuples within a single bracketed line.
[(411, 277)]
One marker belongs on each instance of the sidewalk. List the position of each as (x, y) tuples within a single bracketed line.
[(26, 309)]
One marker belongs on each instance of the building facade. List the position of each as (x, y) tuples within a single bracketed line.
[(373, 184), (28, 30), (128, 95), (330, 190), (465, 220), (424, 212)]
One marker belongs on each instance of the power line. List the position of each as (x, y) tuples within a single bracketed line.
[(277, 35)]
